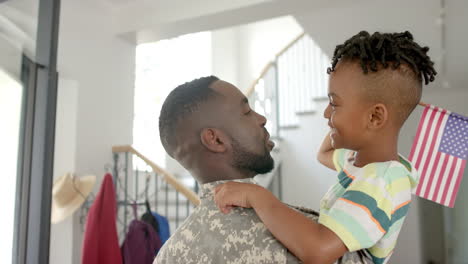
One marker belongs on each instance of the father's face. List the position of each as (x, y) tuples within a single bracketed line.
[(251, 144)]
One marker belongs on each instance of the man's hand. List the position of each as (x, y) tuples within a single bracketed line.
[(232, 194)]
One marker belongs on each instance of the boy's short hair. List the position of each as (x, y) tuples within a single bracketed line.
[(397, 65)]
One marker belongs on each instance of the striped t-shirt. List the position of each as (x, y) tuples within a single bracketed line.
[(368, 205)]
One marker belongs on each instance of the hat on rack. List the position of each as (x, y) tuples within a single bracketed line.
[(68, 193)]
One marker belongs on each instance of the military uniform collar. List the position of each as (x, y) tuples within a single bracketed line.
[(207, 189)]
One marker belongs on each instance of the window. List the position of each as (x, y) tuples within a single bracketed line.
[(11, 92), (160, 67)]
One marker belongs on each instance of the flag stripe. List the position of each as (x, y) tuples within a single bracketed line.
[(434, 149), (426, 132), (442, 180), (423, 132), (424, 159), (434, 176), (452, 179), (459, 175), (448, 175), (418, 133)]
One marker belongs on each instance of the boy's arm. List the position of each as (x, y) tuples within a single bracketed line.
[(325, 153), (309, 241)]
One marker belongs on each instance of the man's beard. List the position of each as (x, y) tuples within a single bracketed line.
[(246, 160)]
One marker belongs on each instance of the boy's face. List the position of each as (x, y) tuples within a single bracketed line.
[(347, 109)]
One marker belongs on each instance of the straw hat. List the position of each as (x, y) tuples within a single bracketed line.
[(68, 193)]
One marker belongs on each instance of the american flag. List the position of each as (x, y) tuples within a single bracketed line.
[(439, 153)]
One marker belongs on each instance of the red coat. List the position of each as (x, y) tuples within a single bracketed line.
[(101, 242)]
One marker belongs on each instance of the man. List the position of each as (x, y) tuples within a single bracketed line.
[(208, 126)]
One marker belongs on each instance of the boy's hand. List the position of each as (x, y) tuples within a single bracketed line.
[(325, 154), (232, 194)]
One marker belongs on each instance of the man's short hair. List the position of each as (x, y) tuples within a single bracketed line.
[(181, 102)]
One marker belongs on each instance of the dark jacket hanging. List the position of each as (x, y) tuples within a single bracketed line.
[(141, 243)]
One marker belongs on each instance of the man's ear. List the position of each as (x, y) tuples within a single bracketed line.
[(213, 139), (378, 116)]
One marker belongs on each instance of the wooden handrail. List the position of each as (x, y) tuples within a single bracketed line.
[(168, 177), (270, 64), (262, 74), (423, 104), (292, 42)]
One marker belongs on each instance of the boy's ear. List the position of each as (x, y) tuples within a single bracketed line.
[(378, 116), (213, 139)]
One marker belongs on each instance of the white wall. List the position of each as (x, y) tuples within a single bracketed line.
[(103, 67), (305, 179), (10, 56), (225, 62), (258, 43), (457, 41), (61, 246), (241, 52)]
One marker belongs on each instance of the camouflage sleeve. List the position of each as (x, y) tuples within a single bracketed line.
[(161, 258)]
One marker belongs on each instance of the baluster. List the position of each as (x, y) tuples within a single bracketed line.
[(317, 67), (280, 182), (196, 189), (116, 175), (156, 191), (308, 73), (177, 209), (136, 185), (125, 192), (275, 103), (166, 200), (187, 207), (279, 92)]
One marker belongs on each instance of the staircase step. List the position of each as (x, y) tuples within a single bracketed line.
[(279, 138), (320, 99), (288, 127), (307, 112)]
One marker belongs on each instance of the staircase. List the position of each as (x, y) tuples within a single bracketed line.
[(291, 84)]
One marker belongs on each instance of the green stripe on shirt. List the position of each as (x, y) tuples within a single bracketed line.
[(370, 203)]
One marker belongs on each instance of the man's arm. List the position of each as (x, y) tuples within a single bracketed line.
[(325, 153)]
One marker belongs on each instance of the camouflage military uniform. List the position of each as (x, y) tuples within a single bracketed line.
[(208, 236)]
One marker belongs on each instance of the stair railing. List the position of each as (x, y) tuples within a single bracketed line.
[(288, 85), (165, 193)]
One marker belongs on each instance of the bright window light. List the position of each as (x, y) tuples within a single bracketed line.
[(11, 93), (160, 67)]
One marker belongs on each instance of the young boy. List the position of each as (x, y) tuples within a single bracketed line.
[(375, 83)]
